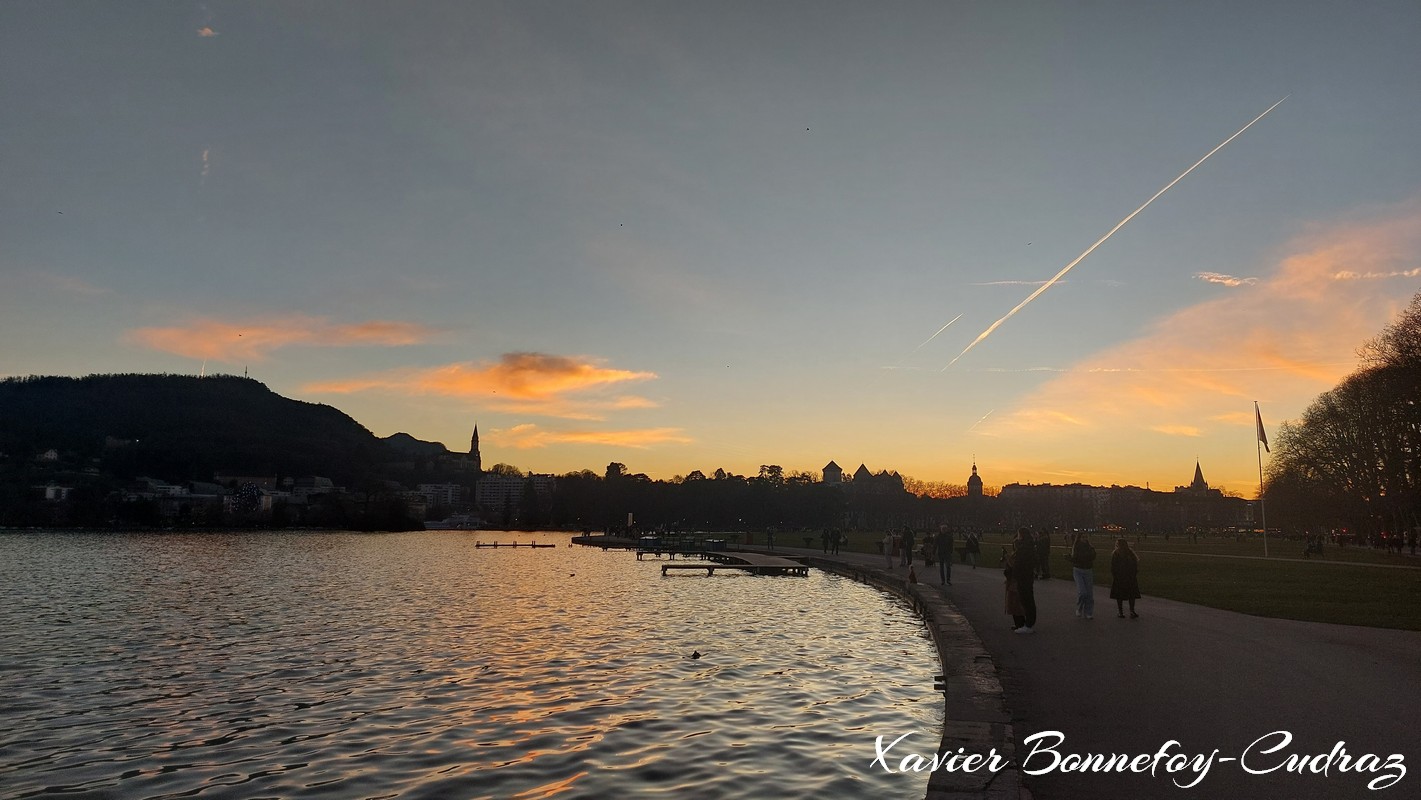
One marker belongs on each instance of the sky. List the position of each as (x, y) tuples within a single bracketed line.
[(687, 236)]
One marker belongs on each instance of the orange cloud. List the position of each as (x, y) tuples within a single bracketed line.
[(527, 437), (252, 340), (1348, 275), (530, 383), (1282, 340), (206, 32), (1224, 280), (384, 332)]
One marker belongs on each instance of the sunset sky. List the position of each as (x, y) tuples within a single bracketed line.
[(716, 234)]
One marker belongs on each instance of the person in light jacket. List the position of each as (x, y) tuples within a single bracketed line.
[(1083, 570)]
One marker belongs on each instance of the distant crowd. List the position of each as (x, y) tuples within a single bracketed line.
[(1024, 561)]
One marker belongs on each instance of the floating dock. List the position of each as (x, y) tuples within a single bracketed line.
[(754, 563), (511, 544)]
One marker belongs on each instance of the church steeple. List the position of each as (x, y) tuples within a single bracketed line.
[(974, 483), (1198, 484), (474, 457)]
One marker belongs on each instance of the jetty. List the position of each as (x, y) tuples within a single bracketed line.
[(511, 544), (685, 544), (754, 563)]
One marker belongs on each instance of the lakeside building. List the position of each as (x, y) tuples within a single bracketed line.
[(309, 486), (872, 500), (1131, 508), (476, 459), (975, 510), (442, 494), (232, 481), (502, 497)]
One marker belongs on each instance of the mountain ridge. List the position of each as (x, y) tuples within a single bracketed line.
[(186, 427)]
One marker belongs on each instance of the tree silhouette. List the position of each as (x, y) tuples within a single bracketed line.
[(1354, 459)]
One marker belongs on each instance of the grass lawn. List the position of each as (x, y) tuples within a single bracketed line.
[(1233, 575), (1317, 592)]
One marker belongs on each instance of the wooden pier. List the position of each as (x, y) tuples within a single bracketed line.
[(511, 544), (754, 563)]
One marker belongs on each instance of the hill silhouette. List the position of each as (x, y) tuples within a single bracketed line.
[(407, 445), (183, 427)]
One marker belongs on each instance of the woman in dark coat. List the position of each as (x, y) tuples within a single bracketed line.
[(1021, 569), (1124, 578), (1013, 596)]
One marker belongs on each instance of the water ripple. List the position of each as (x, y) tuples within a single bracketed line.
[(416, 665)]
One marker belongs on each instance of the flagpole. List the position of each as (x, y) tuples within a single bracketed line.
[(1262, 511), (1258, 445)]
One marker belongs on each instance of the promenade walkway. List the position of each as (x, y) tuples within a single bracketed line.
[(1204, 678)]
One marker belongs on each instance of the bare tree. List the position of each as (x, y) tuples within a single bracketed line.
[(1354, 459), (1399, 344)]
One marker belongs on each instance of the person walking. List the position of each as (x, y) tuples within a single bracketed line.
[(888, 550), (1013, 592), (836, 538), (973, 548), (1023, 568), (1083, 570), (1124, 578), (1043, 554), (908, 541), (944, 554)]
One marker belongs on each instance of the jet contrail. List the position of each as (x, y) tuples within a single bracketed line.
[(939, 330), (1101, 240), (984, 417)]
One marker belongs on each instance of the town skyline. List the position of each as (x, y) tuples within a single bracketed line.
[(842, 475), (685, 237)]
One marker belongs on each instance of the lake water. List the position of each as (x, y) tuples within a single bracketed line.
[(415, 665)]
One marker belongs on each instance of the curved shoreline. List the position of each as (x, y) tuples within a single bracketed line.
[(975, 713), (976, 717)]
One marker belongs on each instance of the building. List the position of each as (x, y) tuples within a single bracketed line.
[(882, 483), (975, 510), (53, 493), (311, 485), (441, 494), (501, 496), (231, 481), (1198, 487), (974, 483), (476, 459), (1075, 505), (873, 500)]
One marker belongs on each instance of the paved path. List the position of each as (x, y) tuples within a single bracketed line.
[(1206, 678)]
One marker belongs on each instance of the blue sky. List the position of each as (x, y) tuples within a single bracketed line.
[(697, 235)]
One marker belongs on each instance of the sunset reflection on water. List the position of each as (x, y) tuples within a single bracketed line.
[(416, 665)]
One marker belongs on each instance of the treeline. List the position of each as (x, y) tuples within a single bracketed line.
[(726, 501), (1354, 458), (101, 502)]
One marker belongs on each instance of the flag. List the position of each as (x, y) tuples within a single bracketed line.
[(1258, 416)]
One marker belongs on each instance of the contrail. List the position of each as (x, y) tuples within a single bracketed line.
[(980, 421), (1101, 240), (939, 330)]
